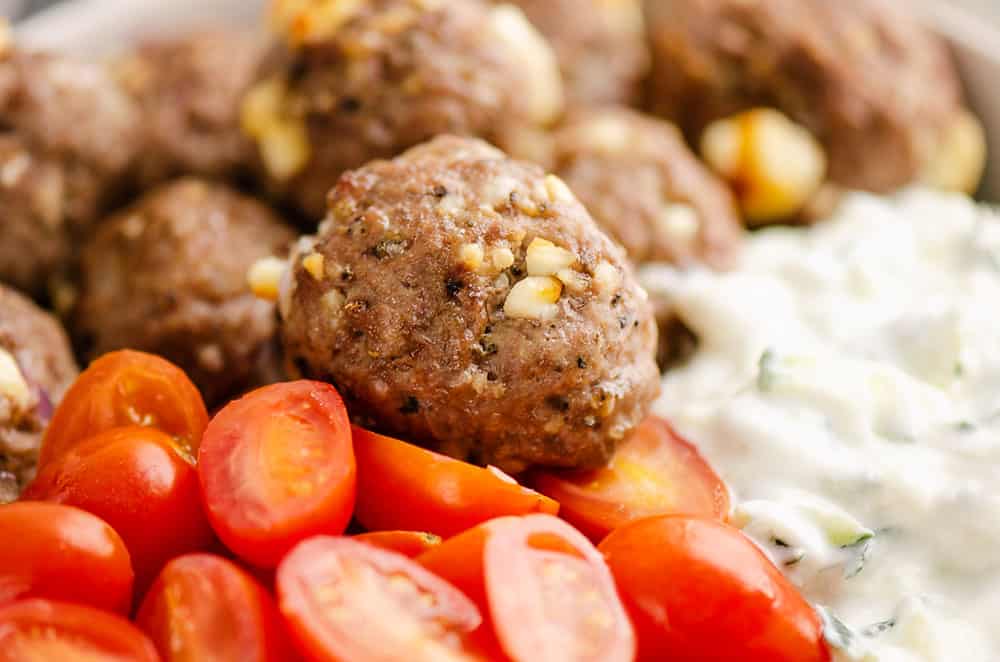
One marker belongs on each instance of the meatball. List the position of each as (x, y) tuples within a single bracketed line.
[(190, 90), (645, 188), (36, 368), (467, 301), (169, 275), (599, 45), (369, 80), (68, 133), (877, 89)]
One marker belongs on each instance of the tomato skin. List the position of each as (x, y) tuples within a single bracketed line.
[(57, 552), (654, 472), (127, 388), (699, 590), (407, 543), (276, 467), (136, 480), (204, 608), (402, 486), (384, 606), (48, 631)]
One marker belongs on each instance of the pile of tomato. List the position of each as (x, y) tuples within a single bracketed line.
[(154, 533)]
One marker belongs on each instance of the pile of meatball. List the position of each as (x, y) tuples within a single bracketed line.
[(438, 206)]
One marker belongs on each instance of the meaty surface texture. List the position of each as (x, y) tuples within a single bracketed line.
[(384, 75), (599, 43), (36, 368), (68, 134), (190, 90), (427, 300), (864, 76), (168, 275), (645, 188)]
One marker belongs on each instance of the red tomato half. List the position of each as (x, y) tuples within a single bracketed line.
[(547, 590), (204, 608), (700, 591), (276, 467), (45, 631), (137, 481), (407, 543), (61, 553), (127, 388), (402, 486), (654, 472), (347, 601)]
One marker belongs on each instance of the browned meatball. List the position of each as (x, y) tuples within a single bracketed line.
[(168, 275), (389, 74), (68, 133), (466, 301), (190, 90), (645, 188), (36, 368), (877, 89), (599, 44)]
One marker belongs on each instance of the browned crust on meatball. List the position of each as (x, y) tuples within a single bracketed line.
[(645, 188), (41, 349), (168, 275), (411, 326), (864, 76)]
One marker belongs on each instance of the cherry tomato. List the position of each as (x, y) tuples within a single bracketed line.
[(139, 482), (698, 591), (407, 543), (548, 592), (204, 608), (276, 467), (52, 551), (654, 472), (127, 388), (46, 631), (347, 601), (402, 486)]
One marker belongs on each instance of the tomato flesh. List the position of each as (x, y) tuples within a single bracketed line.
[(130, 477), (204, 608), (127, 388), (407, 543), (57, 552), (402, 486), (698, 590), (348, 601), (654, 472), (276, 466)]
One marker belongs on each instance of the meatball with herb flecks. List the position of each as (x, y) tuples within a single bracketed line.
[(468, 302)]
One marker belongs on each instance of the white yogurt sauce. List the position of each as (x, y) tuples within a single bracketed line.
[(847, 386)]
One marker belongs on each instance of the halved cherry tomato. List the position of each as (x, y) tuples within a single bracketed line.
[(347, 601), (654, 472), (402, 486), (548, 592), (52, 551), (699, 591), (276, 467), (139, 482), (127, 388), (47, 631), (204, 608), (407, 543)]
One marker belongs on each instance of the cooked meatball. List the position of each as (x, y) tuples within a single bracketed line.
[(190, 90), (879, 91), (168, 275), (599, 45), (389, 74), (68, 133), (645, 188), (467, 301), (36, 368)]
